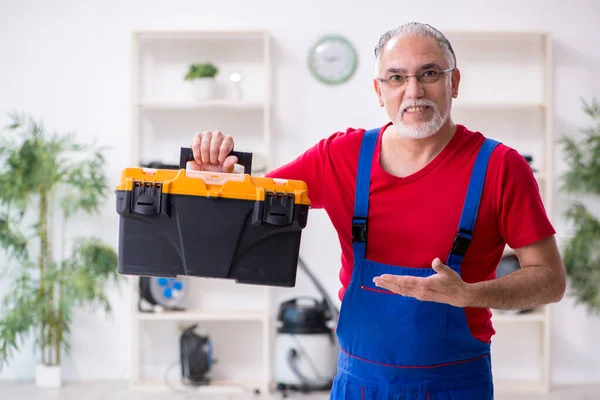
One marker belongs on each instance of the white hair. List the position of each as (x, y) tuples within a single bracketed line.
[(416, 29)]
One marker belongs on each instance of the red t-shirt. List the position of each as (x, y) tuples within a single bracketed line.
[(414, 219)]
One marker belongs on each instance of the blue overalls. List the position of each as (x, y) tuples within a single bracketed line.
[(396, 347)]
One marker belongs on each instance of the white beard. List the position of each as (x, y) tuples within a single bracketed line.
[(425, 129)]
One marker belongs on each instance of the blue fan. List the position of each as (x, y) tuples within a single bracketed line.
[(167, 293)]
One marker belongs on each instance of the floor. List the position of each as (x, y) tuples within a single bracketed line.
[(121, 391)]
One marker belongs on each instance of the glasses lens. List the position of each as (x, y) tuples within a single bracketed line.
[(396, 80), (430, 76)]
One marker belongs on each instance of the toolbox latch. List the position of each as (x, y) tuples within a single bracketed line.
[(278, 208), (146, 198)]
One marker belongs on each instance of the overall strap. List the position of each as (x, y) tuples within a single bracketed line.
[(361, 200), (471, 206)]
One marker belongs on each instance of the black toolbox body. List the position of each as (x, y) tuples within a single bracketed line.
[(211, 225)]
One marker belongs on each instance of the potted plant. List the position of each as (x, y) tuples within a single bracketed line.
[(43, 174), (582, 179), (202, 75)]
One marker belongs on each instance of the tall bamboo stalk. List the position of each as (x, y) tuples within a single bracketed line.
[(59, 327), (43, 260), (60, 289), (41, 268)]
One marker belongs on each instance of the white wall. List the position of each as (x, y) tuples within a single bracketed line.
[(68, 62)]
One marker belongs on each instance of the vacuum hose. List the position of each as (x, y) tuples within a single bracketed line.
[(292, 355), (314, 383), (332, 308)]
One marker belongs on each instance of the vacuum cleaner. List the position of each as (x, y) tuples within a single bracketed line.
[(196, 357), (306, 347)]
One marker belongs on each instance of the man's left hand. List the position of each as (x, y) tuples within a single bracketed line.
[(446, 286)]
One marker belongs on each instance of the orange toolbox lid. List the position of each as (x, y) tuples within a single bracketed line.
[(212, 184)]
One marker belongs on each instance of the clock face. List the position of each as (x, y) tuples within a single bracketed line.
[(332, 60)]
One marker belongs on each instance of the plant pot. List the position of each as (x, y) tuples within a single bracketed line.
[(204, 88), (47, 376)]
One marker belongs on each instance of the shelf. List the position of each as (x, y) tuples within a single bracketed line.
[(209, 104), (216, 387), (237, 387), (163, 109), (533, 316), (510, 386), (201, 316)]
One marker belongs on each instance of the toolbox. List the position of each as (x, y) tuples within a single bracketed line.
[(214, 225)]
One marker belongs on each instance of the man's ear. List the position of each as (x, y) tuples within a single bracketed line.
[(455, 82), (377, 87)]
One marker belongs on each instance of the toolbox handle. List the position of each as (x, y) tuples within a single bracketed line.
[(244, 159)]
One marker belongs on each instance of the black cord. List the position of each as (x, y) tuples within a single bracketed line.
[(309, 359), (169, 384), (193, 388)]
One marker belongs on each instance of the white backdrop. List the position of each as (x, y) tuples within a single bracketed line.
[(68, 62)]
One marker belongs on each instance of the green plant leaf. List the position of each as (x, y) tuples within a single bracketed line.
[(84, 185), (581, 253), (40, 171), (20, 314), (11, 239), (90, 268)]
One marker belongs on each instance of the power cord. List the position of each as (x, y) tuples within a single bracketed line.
[(168, 382), (192, 388), (308, 358)]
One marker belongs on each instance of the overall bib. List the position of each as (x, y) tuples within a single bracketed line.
[(400, 348)]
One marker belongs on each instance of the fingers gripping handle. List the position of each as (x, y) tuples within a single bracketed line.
[(244, 159)]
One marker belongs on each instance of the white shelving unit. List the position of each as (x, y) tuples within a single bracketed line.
[(165, 115), (506, 93)]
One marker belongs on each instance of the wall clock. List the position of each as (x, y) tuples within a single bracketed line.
[(332, 59)]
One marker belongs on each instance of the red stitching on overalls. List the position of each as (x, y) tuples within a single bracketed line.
[(427, 394), (363, 393), (384, 291), (415, 366)]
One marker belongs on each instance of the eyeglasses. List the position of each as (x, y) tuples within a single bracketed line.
[(429, 76)]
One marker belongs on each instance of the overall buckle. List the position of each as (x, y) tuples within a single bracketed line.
[(359, 229), (462, 240)]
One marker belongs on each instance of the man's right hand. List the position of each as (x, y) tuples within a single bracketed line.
[(210, 151)]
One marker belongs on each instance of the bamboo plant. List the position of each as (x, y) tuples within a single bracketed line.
[(582, 180), (46, 179)]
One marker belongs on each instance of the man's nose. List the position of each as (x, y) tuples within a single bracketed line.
[(414, 88)]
